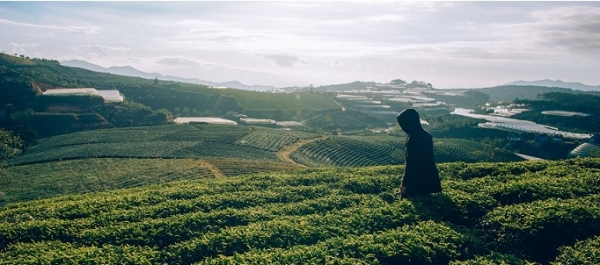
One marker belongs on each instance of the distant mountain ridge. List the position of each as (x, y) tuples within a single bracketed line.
[(130, 71), (511, 92), (555, 83)]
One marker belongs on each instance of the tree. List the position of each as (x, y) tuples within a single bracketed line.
[(165, 112), (27, 134), (10, 145), (398, 82)]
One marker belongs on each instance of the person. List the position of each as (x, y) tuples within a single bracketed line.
[(421, 175)]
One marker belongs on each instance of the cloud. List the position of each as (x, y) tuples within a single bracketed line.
[(572, 27), (387, 18), (539, 35), (336, 63), (284, 60), (177, 61), (77, 29), (21, 48), (350, 40), (99, 50), (550, 31), (233, 38), (107, 48), (223, 35)]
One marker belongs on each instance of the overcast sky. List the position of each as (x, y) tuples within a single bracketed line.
[(448, 44)]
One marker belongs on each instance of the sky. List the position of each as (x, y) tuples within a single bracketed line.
[(289, 43)]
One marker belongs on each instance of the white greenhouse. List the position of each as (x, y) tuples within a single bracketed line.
[(585, 150), (210, 120), (107, 95)]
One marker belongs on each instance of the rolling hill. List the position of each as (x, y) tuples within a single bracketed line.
[(243, 142), (130, 71), (556, 83), (121, 184), (146, 100), (512, 92), (206, 151)]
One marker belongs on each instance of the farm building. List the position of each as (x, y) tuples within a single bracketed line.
[(109, 96)]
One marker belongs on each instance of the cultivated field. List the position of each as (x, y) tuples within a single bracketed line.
[(489, 213), (203, 141), (358, 151), (42, 180)]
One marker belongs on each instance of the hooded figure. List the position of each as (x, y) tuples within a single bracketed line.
[(420, 172)]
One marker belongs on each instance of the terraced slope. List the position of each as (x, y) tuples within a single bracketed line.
[(168, 141), (371, 151), (489, 213), (204, 141), (42, 180)]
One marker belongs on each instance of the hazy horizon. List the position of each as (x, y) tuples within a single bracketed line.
[(448, 44)]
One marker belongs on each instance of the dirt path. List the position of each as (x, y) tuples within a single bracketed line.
[(284, 154), (215, 171)]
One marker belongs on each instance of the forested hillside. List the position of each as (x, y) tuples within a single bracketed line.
[(147, 101), (19, 73), (588, 104)]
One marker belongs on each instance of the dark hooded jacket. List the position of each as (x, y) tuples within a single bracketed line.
[(420, 172)]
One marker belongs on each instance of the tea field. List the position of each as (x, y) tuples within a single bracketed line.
[(100, 160), (42, 180), (359, 151), (534, 212), (206, 141), (167, 141)]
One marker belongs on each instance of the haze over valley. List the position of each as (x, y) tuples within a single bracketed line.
[(286, 44)]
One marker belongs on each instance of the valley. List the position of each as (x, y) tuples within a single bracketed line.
[(180, 173)]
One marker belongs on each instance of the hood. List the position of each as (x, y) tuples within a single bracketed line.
[(409, 121)]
